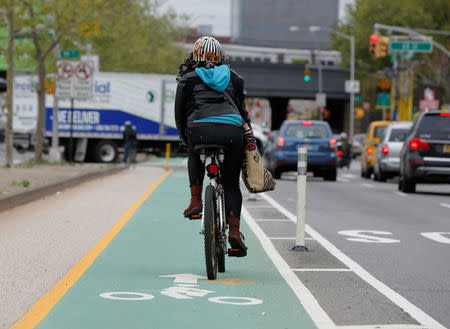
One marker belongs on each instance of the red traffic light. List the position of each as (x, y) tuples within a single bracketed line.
[(373, 38)]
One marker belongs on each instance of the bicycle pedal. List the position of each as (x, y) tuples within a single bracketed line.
[(195, 217)]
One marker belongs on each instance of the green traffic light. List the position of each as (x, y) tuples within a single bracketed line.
[(307, 78)]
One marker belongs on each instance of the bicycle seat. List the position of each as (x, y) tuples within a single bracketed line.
[(208, 147)]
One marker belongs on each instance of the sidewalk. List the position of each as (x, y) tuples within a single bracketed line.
[(22, 184)]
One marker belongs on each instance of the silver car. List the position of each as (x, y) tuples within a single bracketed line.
[(387, 154)]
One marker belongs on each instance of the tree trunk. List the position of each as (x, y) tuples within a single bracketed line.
[(41, 111), (10, 79)]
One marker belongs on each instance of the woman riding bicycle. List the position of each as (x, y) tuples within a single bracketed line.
[(204, 115)]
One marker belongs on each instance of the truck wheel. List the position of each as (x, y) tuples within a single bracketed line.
[(106, 151)]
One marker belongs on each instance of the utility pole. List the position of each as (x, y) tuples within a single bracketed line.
[(55, 154), (9, 17)]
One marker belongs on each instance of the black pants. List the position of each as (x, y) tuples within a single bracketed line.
[(232, 138)]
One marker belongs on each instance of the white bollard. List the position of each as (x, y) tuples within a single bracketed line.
[(301, 199)]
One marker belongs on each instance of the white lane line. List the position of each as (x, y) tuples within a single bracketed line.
[(419, 315), (367, 185), (385, 326), (321, 270), (400, 193), (256, 207), (445, 205), (349, 176), (286, 238), (343, 180), (185, 162), (271, 220), (315, 311)]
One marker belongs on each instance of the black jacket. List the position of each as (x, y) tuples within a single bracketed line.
[(129, 134), (195, 100)]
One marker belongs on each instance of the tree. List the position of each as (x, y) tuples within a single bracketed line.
[(47, 23), (361, 17), (139, 39)]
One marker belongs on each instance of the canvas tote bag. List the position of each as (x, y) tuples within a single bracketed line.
[(256, 178)]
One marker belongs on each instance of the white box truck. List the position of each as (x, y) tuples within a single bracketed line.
[(147, 100)]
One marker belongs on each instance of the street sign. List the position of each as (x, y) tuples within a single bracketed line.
[(321, 99), (75, 79), (72, 53), (383, 101), (414, 46), (352, 86)]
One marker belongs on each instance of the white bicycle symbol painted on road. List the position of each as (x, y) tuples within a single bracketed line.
[(185, 287)]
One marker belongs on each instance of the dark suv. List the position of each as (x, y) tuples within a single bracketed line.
[(425, 156)]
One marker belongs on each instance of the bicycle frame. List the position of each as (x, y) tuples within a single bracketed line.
[(210, 159)]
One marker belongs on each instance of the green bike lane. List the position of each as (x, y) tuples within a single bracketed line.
[(152, 275)]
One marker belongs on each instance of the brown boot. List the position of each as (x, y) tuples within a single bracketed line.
[(238, 248), (195, 207)]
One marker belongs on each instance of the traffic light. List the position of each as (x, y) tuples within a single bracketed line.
[(307, 75), (382, 44), (373, 44), (378, 45)]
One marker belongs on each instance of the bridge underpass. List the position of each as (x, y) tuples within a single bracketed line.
[(281, 82)]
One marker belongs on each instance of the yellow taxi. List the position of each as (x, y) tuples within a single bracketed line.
[(373, 135)]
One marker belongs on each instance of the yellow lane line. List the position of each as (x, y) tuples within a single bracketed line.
[(45, 304)]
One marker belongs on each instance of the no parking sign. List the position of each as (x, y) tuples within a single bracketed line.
[(75, 79)]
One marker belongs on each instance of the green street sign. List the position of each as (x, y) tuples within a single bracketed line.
[(383, 101), (73, 53), (358, 98), (413, 46)]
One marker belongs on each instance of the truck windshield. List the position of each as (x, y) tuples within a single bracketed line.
[(434, 126), (302, 131)]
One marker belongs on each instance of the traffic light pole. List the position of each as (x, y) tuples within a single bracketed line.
[(351, 38), (411, 33), (352, 94)]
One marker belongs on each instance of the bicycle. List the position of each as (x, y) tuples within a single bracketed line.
[(213, 222)]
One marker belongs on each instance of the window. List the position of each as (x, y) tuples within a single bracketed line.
[(434, 126), (398, 134), (301, 131), (378, 131)]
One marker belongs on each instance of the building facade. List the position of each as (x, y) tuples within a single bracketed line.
[(268, 23)]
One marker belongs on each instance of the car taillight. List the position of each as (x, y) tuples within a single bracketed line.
[(280, 142), (445, 114), (385, 150), (270, 135), (333, 143), (369, 150), (307, 123), (339, 152), (418, 144)]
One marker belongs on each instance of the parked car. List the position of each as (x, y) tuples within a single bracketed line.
[(387, 154), (425, 155), (316, 136), (374, 132)]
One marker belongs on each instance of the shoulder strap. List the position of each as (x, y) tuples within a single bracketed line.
[(231, 100)]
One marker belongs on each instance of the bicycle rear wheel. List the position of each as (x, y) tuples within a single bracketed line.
[(209, 218), (221, 238)]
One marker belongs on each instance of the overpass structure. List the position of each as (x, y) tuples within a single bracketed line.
[(280, 82)]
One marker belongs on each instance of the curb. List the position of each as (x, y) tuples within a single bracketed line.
[(21, 198)]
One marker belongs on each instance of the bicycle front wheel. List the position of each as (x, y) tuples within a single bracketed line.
[(209, 218)]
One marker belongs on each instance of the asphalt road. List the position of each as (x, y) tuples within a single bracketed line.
[(405, 253)]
